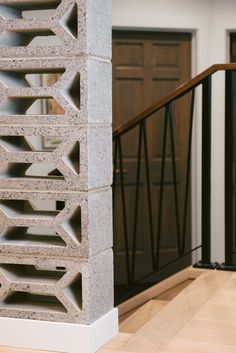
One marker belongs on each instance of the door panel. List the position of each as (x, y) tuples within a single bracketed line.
[(146, 67)]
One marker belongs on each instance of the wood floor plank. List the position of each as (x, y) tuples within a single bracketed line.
[(205, 331), (213, 328), (218, 313), (201, 336), (181, 345)]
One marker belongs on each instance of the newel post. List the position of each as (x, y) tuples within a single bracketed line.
[(206, 175)]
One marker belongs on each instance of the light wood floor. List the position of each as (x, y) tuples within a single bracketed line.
[(200, 319)]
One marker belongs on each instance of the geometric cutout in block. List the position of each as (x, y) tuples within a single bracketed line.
[(18, 9), (15, 144), (13, 106), (50, 143), (20, 78), (21, 106), (19, 283), (72, 159), (13, 79), (41, 9), (30, 170), (45, 78), (46, 205), (45, 106), (23, 38), (26, 208), (73, 225), (29, 273), (23, 301), (69, 21), (74, 291), (25, 143), (71, 91), (9, 12), (51, 107), (42, 171), (31, 236)]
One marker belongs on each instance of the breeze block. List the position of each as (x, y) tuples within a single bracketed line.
[(56, 261), (74, 27)]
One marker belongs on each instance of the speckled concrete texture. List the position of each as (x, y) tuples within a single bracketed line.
[(81, 229), (56, 262), (79, 27), (61, 290), (83, 159), (83, 91)]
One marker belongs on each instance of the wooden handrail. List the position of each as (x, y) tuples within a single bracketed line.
[(180, 91)]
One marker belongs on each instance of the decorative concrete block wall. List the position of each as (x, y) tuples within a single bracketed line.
[(55, 265)]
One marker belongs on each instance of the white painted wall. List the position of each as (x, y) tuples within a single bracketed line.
[(210, 22)]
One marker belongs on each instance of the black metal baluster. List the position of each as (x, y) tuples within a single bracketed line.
[(158, 245), (229, 172), (136, 205), (172, 143), (114, 174), (149, 197), (206, 176), (124, 211), (188, 171), (206, 172)]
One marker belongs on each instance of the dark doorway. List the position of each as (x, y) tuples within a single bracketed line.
[(146, 67)]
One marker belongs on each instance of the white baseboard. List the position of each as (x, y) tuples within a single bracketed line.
[(58, 336)]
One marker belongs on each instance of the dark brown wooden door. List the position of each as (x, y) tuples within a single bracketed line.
[(146, 67)]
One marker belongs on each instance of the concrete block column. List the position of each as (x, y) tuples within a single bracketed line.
[(56, 264)]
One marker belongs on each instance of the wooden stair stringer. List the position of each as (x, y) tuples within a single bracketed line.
[(156, 333)]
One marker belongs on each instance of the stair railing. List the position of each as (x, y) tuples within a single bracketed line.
[(140, 123)]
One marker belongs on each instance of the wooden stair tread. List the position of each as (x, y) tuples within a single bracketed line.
[(160, 330), (142, 315), (158, 289)]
